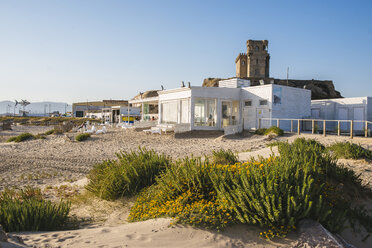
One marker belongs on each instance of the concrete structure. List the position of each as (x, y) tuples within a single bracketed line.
[(234, 104), (80, 109), (358, 109)]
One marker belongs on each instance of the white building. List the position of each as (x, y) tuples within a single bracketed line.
[(234, 104), (358, 109)]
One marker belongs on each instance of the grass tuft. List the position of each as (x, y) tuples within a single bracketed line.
[(260, 131), (349, 151), (274, 130), (126, 176), (224, 157), (82, 137), (26, 210), (21, 137)]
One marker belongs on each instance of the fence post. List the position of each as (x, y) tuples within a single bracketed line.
[(298, 127), (324, 128), (259, 123), (277, 123), (366, 129), (312, 127), (338, 128), (351, 128), (291, 126)]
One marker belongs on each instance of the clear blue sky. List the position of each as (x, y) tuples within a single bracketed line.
[(78, 50)]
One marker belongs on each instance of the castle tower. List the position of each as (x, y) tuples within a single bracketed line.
[(258, 58), (241, 65), (256, 62)]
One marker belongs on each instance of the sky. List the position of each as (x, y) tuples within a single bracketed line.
[(71, 51)]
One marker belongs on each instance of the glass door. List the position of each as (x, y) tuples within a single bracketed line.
[(226, 113)]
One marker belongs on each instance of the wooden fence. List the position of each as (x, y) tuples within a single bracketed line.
[(304, 125)]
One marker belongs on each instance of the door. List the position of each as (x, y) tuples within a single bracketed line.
[(226, 114), (263, 113), (342, 115), (249, 117), (358, 116)]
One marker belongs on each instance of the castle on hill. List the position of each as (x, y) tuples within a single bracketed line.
[(254, 65)]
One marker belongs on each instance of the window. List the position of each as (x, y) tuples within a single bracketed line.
[(263, 102), (230, 113), (205, 112), (243, 62), (248, 103), (169, 112), (257, 48), (264, 47), (256, 61)]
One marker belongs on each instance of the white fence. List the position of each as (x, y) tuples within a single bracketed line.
[(315, 126)]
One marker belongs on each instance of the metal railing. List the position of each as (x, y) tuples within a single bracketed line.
[(350, 127)]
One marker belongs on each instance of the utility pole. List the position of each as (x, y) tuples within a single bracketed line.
[(287, 74)]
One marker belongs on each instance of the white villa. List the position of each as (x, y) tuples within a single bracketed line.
[(233, 105)]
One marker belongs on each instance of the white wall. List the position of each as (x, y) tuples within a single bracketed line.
[(345, 109), (174, 102), (295, 103), (234, 83), (255, 111), (369, 108), (291, 103), (330, 108)]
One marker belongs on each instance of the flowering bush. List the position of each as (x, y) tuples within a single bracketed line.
[(274, 193)]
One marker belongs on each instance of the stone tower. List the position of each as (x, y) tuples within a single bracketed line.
[(241, 65), (256, 62)]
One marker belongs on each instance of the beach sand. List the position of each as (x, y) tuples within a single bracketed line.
[(59, 160)]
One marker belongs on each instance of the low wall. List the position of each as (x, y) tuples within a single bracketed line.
[(182, 128), (233, 129)]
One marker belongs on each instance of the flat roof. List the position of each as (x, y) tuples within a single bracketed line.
[(145, 100)]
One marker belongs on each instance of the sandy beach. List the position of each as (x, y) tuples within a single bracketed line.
[(60, 160)]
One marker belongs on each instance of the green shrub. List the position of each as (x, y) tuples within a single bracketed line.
[(275, 193), (260, 131), (274, 130), (126, 176), (49, 132), (21, 137), (82, 137), (39, 136), (26, 210), (224, 157), (350, 151), (185, 191)]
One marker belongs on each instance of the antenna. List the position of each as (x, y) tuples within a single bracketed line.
[(287, 74)]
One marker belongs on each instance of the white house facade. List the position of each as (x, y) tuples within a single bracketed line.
[(233, 104)]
